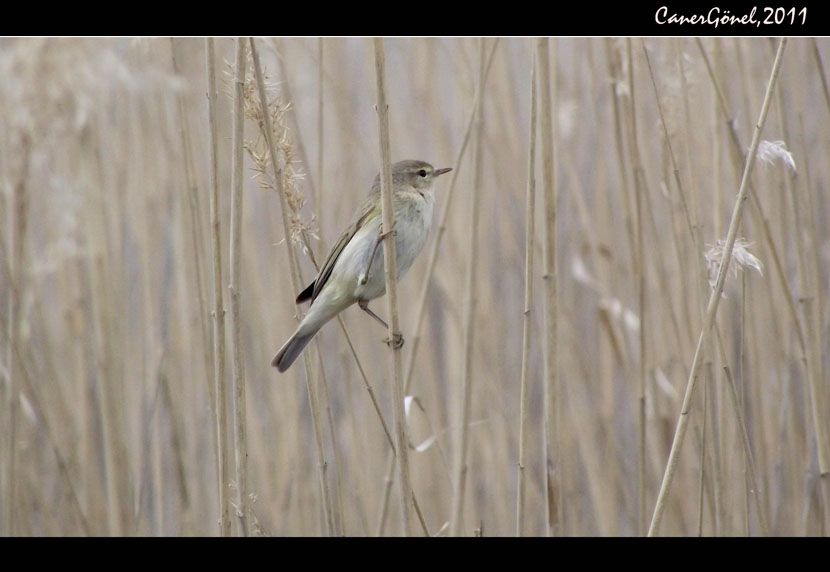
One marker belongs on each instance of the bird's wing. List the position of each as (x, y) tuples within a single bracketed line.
[(366, 212)]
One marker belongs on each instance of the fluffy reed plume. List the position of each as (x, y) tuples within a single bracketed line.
[(771, 151), (744, 259), (290, 170)]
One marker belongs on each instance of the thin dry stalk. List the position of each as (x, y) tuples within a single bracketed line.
[(750, 461), (338, 478), (238, 380), (810, 288), (112, 442), (463, 438), (320, 136), (814, 306), (220, 410), (824, 88), (714, 299), (702, 480), (676, 172), (390, 266), (553, 485), (750, 470), (317, 190), (743, 398), (196, 232), (29, 392), (619, 89), (529, 233), (431, 264), (691, 204), (442, 224), (18, 213), (313, 396), (818, 417), (641, 274)]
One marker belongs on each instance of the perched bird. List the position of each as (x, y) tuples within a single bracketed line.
[(354, 269)]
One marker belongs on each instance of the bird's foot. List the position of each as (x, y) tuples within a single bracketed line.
[(395, 342)]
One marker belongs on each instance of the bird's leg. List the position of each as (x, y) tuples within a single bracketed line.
[(364, 277), (364, 305), (397, 339)]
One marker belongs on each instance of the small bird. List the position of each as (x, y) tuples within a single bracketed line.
[(354, 269)]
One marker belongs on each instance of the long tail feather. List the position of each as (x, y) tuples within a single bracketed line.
[(291, 350)]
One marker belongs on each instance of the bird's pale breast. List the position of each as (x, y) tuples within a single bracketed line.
[(413, 219)]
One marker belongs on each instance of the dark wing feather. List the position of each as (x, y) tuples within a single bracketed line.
[(305, 295), (313, 290)]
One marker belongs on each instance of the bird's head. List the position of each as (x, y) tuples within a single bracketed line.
[(415, 174)]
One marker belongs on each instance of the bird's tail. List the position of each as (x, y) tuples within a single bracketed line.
[(323, 309), (292, 349)]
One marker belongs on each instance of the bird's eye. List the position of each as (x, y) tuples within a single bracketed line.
[(422, 173)]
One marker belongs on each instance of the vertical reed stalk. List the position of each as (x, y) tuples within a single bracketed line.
[(822, 75), (750, 462), (196, 232), (815, 314), (390, 266), (238, 380), (641, 274), (809, 283), (702, 479), (19, 216), (424, 290), (318, 198), (221, 410), (463, 438), (691, 204), (553, 475), (529, 233)]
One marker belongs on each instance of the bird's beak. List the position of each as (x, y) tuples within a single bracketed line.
[(441, 171)]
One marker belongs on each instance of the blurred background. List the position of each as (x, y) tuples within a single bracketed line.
[(106, 276)]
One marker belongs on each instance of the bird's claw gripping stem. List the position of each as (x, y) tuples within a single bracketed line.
[(395, 342)]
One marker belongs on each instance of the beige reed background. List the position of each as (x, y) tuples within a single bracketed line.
[(107, 369)]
